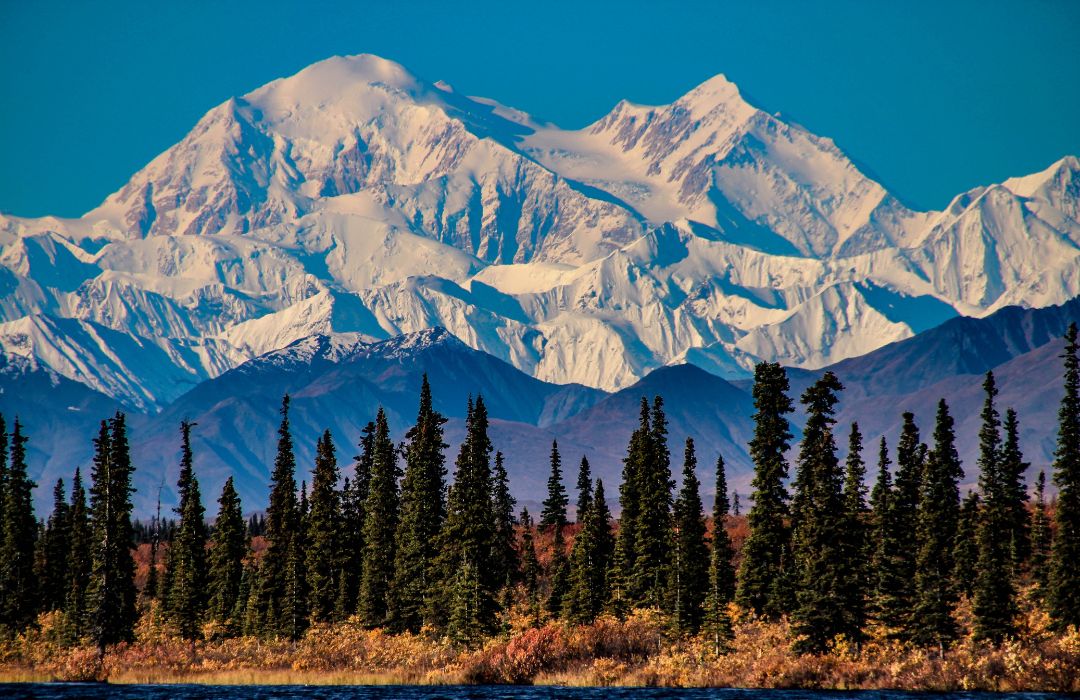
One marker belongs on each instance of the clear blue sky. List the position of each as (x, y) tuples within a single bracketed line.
[(931, 98)]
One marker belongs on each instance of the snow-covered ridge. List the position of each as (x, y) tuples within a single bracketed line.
[(357, 202)]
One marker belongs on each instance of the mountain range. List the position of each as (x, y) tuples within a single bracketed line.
[(336, 232)]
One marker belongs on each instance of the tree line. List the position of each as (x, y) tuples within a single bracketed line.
[(396, 546)]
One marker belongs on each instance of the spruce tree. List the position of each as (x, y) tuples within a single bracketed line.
[(187, 553), (1041, 540), (530, 568), (502, 504), (584, 488), (558, 575), (587, 590), (1014, 490), (965, 547), (3, 469), (354, 495), (52, 575), (762, 577), (111, 590), (822, 569), (652, 547), (605, 545), (272, 607), (895, 595), (623, 562), (553, 516), (465, 560), (995, 593), (855, 581), (324, 532), (689, 578), (1064, 584), (18, 587), (423, 512), (717, 621), (886, 576), (937, 519), (380, 525), (226, 566), (79, 563)]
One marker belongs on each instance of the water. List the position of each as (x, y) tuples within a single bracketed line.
[(71, 691)]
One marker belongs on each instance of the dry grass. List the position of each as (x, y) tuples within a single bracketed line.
[(634, 652)]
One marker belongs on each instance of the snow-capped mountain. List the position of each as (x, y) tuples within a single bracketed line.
[(354, 197)]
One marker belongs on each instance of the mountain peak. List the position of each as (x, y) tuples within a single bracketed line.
[(715, 92)]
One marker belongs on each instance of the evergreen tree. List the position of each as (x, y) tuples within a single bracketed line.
[(504, 554), (79, 563), (605, 545), (689, 578), (3, 470), (226, 567), (966, 548), (530, 568), (818, 533), (856, 578), (623, 562), (380, 525), (1064, 585), (995, 595), (1041, 540), (324, 532), (584, 488), (111, 590), (652, 547), (18, 588), (423, 512), (896, 591), (187, 553), (586, 592), (272, 607), (553, 516), (558, 576), (52, 573), (465, 559), (717, 622), (762, 573), (354, 495), (1014, 489), (886, 578), (938, 519)]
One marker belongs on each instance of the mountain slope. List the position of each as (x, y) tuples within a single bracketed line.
[(355, 197)]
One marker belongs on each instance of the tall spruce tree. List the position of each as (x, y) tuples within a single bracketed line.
[(822, 569), (624, 560), (79, 563), (995, 593), (273, 611), (762, 577), (187, 553), (52, 573), (3, 469), (585, 595), (18, 587), (855, 582), (584, 488), (530, 568), (354, 495), (717, 621), (465, 559), (553, 516), (423, 512), (938, 518), (324, 532), (1014, 488), (111, 590), (896, 592), (965, 547), (1041, 540), (1064, 584), (226, 566), (502, 504), (381, 514), (886, 578), (652, 546), (689, 578)]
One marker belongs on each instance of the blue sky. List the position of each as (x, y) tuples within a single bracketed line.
[(930, 98)]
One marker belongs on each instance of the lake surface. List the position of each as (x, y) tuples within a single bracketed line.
[(69, 691)]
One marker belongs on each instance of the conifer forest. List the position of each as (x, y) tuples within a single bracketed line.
[(846, 557)]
